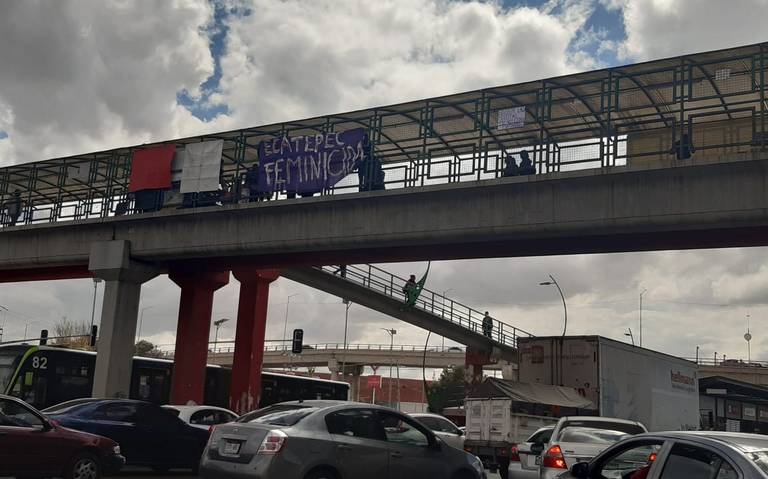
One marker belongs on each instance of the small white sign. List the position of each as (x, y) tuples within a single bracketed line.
[(722, 74), (511, 118)]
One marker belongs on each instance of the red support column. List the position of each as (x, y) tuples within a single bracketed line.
[(245, 391), (192, 333), (474, 361)]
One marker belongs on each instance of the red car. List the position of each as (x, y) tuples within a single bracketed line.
[(33, 446)]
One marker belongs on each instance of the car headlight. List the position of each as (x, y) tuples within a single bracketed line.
[(116, 450)]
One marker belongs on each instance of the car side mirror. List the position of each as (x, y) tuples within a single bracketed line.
[(461, 433), (580, 470), (537, 448)]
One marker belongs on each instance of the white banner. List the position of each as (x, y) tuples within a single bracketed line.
[(202, 166), (511, 118)]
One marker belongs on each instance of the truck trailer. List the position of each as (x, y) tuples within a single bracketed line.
[(624, 381)]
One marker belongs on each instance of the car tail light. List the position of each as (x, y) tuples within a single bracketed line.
[(211, 429), (554, 458), (652, 457), (514, 454), (273, 442)]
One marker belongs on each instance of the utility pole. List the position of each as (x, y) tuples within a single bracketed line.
[(285, 326), (391, 333), (141, 322), (562, 296), (641, 316)]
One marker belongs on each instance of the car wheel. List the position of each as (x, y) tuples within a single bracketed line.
[(322, 474), (84, 466)]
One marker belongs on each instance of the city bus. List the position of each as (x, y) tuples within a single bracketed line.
[(46, 375)]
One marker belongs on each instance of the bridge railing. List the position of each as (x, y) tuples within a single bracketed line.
[(218, 349), (391, 285)]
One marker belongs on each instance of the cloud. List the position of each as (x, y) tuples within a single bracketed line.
[(293, 59), (663, 28), (81, 76)]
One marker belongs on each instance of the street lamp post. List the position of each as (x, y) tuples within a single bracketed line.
[(96, 282), (218, 324), (347, 303), (285, 326), (26, 326), (565, 308), (641, 316), (141, 322), (391, 333)]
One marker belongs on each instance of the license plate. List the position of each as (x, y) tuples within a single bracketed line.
[(538, 460), (232, 448)]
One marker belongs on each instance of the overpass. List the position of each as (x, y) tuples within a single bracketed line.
[(669, 154), (335, 354)]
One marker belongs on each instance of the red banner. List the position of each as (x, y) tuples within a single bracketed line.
[(151, 168)]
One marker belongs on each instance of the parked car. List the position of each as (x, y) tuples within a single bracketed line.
[(31, 445), (202, 417), (680, 455), (524, 463), (148, 434), (580, 438), (332, 440), (442, 427)]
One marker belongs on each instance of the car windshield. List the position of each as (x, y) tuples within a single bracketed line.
[(626, 428), (278, 415), (591, 435), (7, 367)]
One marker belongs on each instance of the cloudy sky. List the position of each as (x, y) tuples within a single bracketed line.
[(77, 76)]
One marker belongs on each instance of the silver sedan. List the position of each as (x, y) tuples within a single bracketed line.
[(680, 455), (332, 440)]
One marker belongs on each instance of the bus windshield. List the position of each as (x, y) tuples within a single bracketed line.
[(7, 367)]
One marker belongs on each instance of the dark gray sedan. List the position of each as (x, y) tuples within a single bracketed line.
[(332, 440), (680, 455)]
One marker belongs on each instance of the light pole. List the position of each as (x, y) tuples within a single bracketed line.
[(565, 308), (444, 293), (218, 324), (630, 336), (141, 321), (391, 333), (748, 338), (27, 326), (347, 303), (96, 282), (285, 327), (641, 316)]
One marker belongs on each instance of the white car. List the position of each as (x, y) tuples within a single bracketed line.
[(579, 439), (524, 463), (202, 417), (442, 427)]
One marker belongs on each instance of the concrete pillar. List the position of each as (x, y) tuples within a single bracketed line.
[(192, 332), (245, 391), (352, 375), (110, 261)]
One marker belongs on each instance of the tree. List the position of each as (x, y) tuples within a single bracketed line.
[(73, 334), (448, 391), (148, 350)]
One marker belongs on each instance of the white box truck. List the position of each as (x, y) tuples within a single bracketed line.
[(624, 381), (501, 414)]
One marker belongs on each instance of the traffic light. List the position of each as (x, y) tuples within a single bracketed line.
[(94, 333), (297, 343), (43, 337)]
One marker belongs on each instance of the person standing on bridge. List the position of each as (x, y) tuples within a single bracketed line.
[(13, 208), (410, 288), (526, 165), (488, 325)]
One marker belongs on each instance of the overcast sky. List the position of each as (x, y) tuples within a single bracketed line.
[(78, 76)]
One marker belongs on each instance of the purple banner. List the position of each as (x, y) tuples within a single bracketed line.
[(310, 163)]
